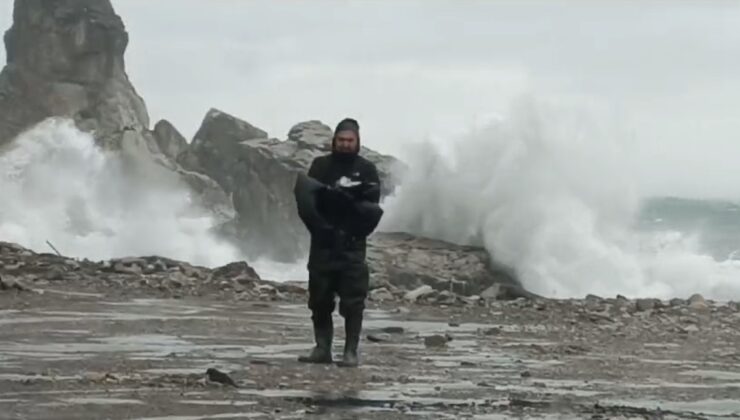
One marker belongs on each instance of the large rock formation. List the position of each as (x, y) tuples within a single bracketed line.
[(65, 58), (259, 172), (404, 261)]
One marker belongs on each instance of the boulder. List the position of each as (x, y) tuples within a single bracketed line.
[(696, 301), (169, 141), (235, 271), (8, 283), (677, 302), (419, 292), (507, 291), (410, 262), (65, 58), (259, 173), (646, 304), (380, 295)]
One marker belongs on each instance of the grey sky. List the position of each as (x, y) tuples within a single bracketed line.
[(668, 71)]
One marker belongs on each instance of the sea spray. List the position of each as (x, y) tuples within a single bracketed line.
[(58, 186), (549, 190)]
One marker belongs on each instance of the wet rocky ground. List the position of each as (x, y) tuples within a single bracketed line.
[(132, 338), (79, 354)]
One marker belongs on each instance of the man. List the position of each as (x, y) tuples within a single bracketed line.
[(348, 185)]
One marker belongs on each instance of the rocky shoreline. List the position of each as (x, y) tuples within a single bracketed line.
[(23, 270), (138, 333), (76, 348)]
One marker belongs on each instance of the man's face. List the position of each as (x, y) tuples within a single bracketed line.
[(346, 142)]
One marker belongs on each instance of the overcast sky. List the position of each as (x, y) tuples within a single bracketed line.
[(669, 71)]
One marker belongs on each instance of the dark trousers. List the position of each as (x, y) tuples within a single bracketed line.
[(350, 283)]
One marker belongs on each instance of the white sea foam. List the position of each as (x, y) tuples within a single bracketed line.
[(549, 190)]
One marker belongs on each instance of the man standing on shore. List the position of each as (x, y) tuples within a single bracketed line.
[(344, 211)]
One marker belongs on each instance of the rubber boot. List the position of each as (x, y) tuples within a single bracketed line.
[(353, 330), (321, 353)]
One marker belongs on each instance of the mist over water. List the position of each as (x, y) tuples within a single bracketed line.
[(549, 190)]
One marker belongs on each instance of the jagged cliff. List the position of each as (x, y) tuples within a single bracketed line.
[(65, 58)]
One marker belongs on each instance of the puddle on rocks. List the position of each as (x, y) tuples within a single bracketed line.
[(148, 346), (102, 401), (713, 374), (103, 316), (662, 345), (678, 362), (71, 293), (549, 390), (210, 416), (218, 402), (710, 407), (18, 377), (91, 401), (68, 391), (508, 417), (386, 398), (429, 327), (155, 346), (427, 388)]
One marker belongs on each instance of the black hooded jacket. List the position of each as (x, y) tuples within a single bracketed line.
[(339, 217), (341, 244)]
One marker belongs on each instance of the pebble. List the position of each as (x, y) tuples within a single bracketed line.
[(446, 297), (393, 330), (378, 338), (690, 328), (492, 293), (492, 331), (380, 295), (472, 300), (418, 293), (435, 341)]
